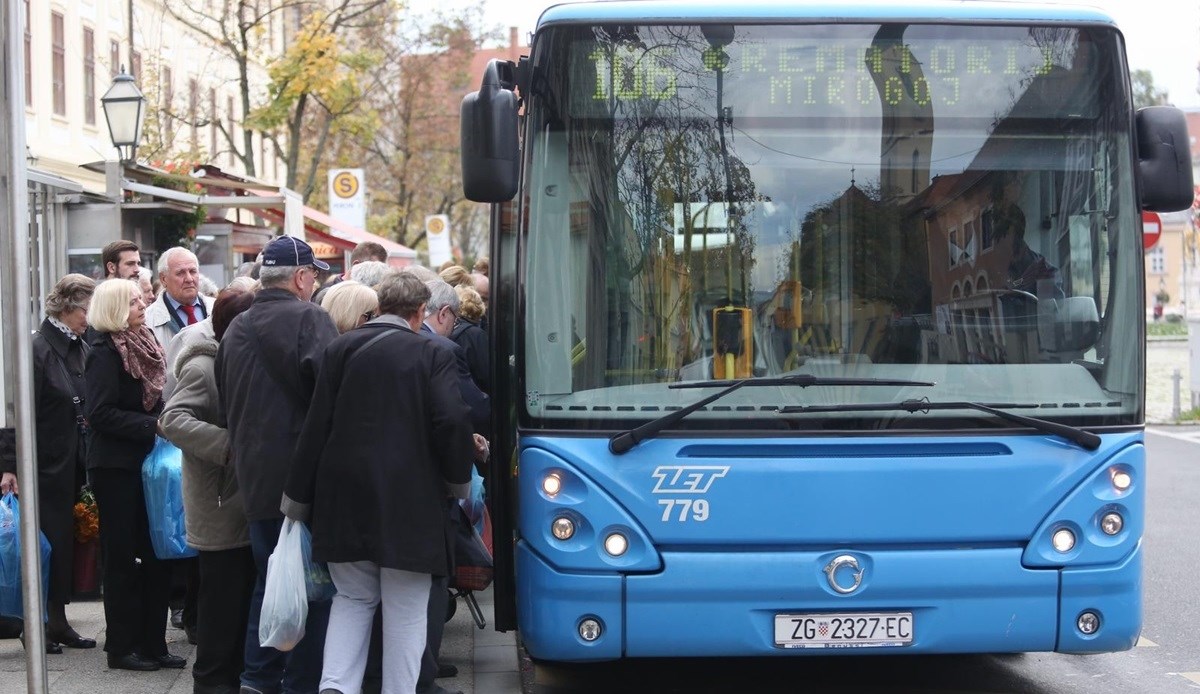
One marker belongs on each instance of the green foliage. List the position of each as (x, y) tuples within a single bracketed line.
[(1167, 328), (1191, 415), (1144, 92)]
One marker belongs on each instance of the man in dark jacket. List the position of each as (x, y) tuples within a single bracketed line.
[(266, 370), (388, 431), (440, 315)]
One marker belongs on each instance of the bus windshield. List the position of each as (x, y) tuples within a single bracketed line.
[(941, 203)]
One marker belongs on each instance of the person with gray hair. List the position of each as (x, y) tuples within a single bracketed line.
[(441, 312), (266, 369), (420, 272), (59, 353), (145, 280), (386, 433), (371, 272), (181, 304)]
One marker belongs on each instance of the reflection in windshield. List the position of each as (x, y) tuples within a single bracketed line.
[(941, 203)]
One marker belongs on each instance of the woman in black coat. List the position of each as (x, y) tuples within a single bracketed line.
[(468, 333), (125, 374), (59, 349)]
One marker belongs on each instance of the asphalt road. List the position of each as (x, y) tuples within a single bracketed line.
[(1165, 662)]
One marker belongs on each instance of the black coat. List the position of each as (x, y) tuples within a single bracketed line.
[(386, 431), (473, 395), (122, 430), (474, 342), (57, 379), (263, 404)]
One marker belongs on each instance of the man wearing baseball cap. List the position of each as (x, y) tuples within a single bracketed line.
[(266, 371)]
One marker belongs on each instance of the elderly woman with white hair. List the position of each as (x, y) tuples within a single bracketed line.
[(350, 304), (124, 375)]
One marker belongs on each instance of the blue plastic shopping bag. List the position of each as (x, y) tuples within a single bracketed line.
[(317, 582), (162, 482), (11, 604)]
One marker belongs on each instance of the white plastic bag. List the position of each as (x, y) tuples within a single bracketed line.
[(285, 602)]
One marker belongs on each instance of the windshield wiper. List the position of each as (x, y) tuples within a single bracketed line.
[(1085, 439), (622, 442)]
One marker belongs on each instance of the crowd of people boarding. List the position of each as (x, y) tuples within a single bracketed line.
[(355, 403)]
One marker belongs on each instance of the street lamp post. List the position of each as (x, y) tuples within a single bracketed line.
[(125, 110)]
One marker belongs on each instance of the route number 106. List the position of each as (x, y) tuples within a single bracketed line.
[(684, 509)]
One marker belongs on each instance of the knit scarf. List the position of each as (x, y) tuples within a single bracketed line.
[(143, 358)]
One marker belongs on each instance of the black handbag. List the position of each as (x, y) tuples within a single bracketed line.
[(472, 560), (81, 423)]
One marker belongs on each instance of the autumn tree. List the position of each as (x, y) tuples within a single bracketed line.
[(412, 155), (313, 90), (1144, 91)]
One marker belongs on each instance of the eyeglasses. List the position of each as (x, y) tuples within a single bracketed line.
[(369, 315)]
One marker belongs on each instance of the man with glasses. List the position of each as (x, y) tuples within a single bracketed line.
[(441, 311), (266, 371)]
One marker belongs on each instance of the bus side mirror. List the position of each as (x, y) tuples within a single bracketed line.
[(490, 151), (1164, 159)]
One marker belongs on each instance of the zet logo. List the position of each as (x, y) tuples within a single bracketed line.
[(345, 185), (686, 479)]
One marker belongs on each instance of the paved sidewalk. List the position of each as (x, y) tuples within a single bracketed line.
[(487, 660)]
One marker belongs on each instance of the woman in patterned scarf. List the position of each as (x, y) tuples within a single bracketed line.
[(125, 373)]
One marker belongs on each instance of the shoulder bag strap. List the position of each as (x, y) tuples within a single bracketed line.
[(77, 401), (368, 343), (273, 367)]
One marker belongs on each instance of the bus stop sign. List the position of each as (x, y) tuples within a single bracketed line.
[(1151, 229)]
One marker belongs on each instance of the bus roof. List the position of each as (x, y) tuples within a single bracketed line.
[(675, 11)]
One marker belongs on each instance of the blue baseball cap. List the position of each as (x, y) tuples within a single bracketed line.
[(289, 251)]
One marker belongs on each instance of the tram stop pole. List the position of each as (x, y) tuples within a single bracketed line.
[(16, 311)]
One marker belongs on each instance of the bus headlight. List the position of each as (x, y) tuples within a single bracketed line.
[(616, 544), (1063, 540), (1121, 480), (1112, 523), (563, 528), (590, 629), (552, 484), (1088, 623)]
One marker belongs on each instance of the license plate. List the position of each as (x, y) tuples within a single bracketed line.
[(844, 630)]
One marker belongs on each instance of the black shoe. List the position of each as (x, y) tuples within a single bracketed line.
[(177, 618), (198, 688), (132, 661), (447, 670), (173, 662), (71, 639), (52, 646)]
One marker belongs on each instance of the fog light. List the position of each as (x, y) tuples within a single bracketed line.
[(563, 528), (616, 544), (1112, 523), (1088, 623), (1121, 480), (552, 484), (1063, 540), (589, 629)]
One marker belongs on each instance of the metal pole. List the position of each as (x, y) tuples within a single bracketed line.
[(14, 272), (1176, 410)]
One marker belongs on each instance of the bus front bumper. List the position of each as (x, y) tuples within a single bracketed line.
[(725, 603)]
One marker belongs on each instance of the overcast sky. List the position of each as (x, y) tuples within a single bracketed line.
[(1162, 36)]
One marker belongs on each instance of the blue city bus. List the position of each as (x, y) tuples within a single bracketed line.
[(818, 327)]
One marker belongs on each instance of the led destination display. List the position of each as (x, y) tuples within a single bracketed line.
[(765, 72)]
